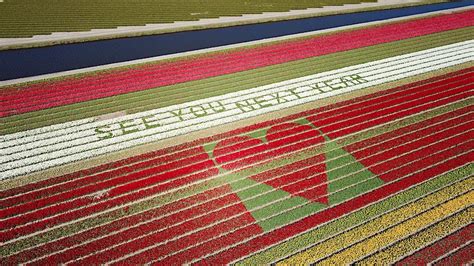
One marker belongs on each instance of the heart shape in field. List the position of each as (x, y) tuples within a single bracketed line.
[(306, 178)]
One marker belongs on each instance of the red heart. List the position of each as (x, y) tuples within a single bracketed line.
[(306, 178)]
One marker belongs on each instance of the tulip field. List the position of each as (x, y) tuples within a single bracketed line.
[(348, 147)]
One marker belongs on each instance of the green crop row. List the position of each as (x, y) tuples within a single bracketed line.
[(25, 18)]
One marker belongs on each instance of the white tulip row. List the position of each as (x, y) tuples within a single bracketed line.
[(42, 148)]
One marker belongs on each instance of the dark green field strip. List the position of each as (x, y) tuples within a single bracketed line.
[(185, 92), (160, 200), (27, 18)]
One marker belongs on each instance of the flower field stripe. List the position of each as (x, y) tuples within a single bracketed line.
[(456, 210), (391, 253), (327, 231), (200, 69), (22, 198), (190, 149), (363, 231), (113, 145), (22, 208), (32, 227), (100, 245), (155, 251), (447, 81), (439, 247), (169, 93), (435, 183), (460, 256), (396, 124), (372, 65), (48, 102), (97, 257), (259, 242), (142, 101)]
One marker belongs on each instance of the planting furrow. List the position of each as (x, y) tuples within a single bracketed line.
[(190, 149), (94, 234), (259, 242), (154, 129), (455, 21), (439, 247), (154, 240), (153, 165), (357, 120), (220, 85), (182, 205), (272, 147)]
